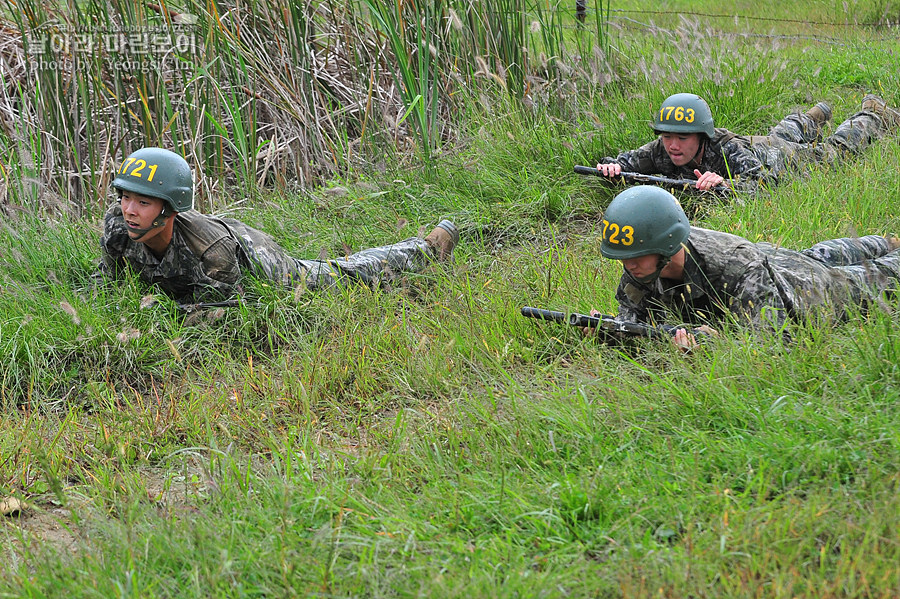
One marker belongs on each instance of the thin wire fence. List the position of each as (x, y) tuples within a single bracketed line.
[(620, 17), (847, 24), (632, 24)]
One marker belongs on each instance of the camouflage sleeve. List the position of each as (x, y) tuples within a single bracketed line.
[(637, 161), (112, 263), (108, 268), (221, 272), (746, 169)]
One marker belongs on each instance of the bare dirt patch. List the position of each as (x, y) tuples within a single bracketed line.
[(42, 523)]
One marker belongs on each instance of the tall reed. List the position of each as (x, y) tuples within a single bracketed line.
[(269, 93)]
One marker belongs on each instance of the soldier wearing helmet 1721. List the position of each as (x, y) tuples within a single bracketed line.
[(675, 272), (689, 146), (154, 231)]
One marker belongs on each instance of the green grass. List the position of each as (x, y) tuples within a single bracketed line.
[(424, 439)]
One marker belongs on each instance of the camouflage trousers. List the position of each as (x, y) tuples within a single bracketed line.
[(370, 266), (849, 251), (867, 263), (798, 138)]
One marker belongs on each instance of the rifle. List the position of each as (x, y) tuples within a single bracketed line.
[(642, 178), (190, 308), (608, 324)]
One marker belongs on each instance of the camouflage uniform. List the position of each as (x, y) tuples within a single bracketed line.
[(749, 160), (763, 284), (206, 256)]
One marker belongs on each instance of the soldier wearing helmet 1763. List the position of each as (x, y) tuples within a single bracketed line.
[(154, 231), (675, 272), (689, 145)]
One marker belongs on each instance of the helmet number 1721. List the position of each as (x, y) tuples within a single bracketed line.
[(139, 165)]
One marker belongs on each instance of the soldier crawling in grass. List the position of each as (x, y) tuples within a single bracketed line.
[(673, 271), (154, 231), (689, 146)]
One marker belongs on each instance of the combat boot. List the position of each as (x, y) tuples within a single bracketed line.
[(821, 112), (443, 239), (889, 116), (893, 241)]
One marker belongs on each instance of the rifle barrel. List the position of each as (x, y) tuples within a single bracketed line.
[(542, 314), (587, 170), (608, 324)]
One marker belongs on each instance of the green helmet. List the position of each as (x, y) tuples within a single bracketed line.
[(643, 220), (684, 113), (158, 173)]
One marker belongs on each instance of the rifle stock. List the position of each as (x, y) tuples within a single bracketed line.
[(189, 308), (608, 324), (642, 178)]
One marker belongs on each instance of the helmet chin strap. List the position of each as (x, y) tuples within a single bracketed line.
[(698, 157), (652, 277), (159, 221)]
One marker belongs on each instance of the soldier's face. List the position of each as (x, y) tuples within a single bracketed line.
[(642, 266), (681, 147), (139, 212)]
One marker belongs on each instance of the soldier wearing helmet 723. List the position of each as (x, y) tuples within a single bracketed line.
[(675, 272), (689, 145), (154, 231)]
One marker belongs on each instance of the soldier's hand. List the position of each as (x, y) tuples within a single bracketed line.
[(591, 331), (613, 169), (708, 180), (686, 341)]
